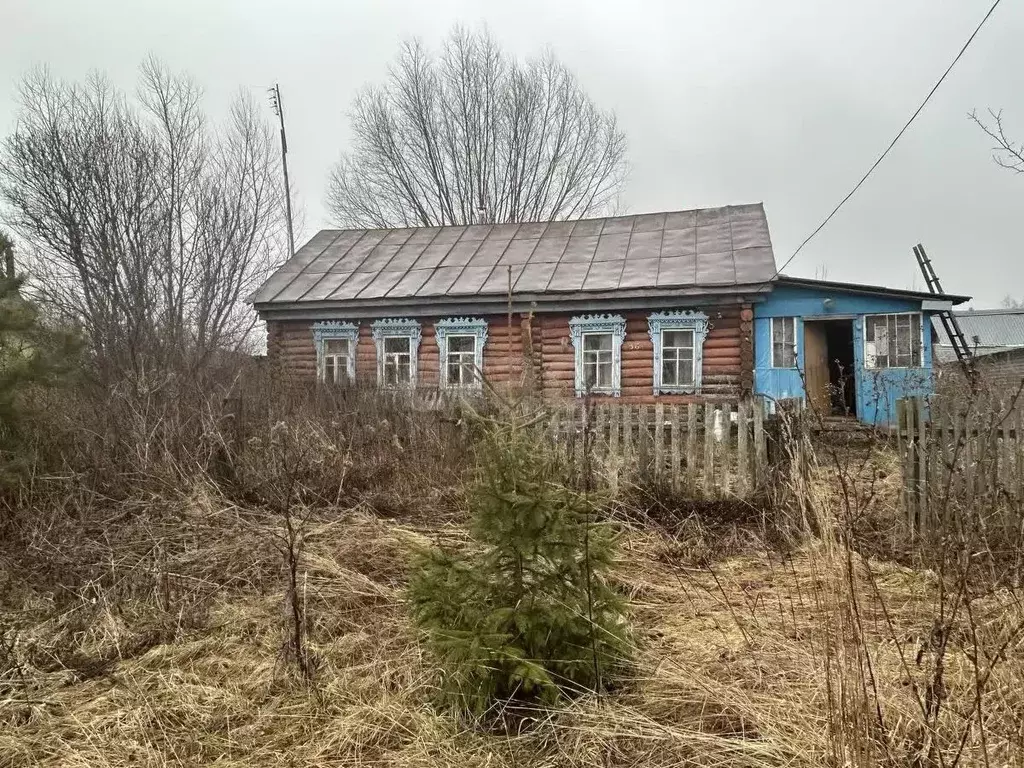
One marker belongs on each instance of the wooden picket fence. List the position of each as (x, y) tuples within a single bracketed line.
[(954, 458), (705, 450)]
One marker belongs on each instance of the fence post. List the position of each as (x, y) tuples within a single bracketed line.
[(760, 445), (676, 440), (742, 459), (922, 464), (691, 448), (659, 440), (709, 450)]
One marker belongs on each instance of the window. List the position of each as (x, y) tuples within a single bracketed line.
[(677, 358), (397, 360), (461, 368), (597, 362), (397, 343), (337, 353), (678, 339), (460, 341), (597, 344), (784, 342), (335, 343), (892, 341)]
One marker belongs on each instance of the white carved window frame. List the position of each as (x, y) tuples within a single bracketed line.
[(399, 329), (461, 326), (583, 325), (330, 330), (680, 320)]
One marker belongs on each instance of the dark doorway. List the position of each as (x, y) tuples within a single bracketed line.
[(842, 385), (828, 364)]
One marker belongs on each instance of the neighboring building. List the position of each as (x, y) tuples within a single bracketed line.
[(996, 338), (855, 349), (654, 307)]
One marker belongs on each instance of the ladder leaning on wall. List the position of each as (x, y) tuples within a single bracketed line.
[(950, 324)]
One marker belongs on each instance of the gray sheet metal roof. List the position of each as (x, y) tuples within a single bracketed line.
[(987, 331), (718, 247)]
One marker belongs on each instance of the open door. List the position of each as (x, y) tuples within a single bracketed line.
[(816, 376)]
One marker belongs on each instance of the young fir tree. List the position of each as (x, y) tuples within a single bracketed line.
[(31, 355), (527, 614)]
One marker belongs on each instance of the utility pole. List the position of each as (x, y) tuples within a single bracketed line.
[(275, 103)]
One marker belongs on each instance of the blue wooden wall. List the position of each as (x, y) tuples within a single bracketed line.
[(877, 389)]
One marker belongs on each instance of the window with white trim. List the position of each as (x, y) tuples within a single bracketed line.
[(892, 341), (337, 356), (677, 358), (784, 342), (460, 342), (597, 361), (397, 360), (597, 344), (335, 343), (397, 343), (678, 339)]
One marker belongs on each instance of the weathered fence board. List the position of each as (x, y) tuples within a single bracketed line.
[(702, 450), (969, 457)]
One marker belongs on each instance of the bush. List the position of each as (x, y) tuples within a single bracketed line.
[(527, 613)]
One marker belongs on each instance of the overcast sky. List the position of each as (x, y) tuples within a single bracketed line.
[(786, 102)]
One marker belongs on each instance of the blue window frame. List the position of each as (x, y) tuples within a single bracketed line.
[(784, 343), (597, 341), (460, 342), (398, 343), (678, 339), (335, 343)]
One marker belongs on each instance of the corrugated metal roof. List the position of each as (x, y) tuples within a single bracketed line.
[(987, 330), (708, 247)]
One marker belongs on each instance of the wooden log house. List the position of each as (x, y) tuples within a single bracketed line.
[(655, 307)]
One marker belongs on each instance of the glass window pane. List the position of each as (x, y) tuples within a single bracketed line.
[(461, 343), (686, 372), (668, 373), (604, 375), (396, 344), (335, 346), (670, 339), (597, 341)]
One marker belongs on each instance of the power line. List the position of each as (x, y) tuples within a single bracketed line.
[(888, 149)]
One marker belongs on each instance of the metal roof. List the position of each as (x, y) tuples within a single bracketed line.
[(988, 331), (710, 247), (872, 289)]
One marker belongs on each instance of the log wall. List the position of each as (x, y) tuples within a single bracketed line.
[(537, 352)]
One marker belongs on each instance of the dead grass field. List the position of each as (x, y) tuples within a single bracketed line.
[(810, 658)]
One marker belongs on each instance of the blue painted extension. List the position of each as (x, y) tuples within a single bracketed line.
[(877, 389)]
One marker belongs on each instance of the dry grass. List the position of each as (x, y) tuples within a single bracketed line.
[(751, 660)]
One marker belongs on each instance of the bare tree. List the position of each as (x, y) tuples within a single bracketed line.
[(472, 128), (1006, 153), (144, 226)]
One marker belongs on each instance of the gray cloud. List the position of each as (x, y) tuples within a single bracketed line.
[(786, 102)]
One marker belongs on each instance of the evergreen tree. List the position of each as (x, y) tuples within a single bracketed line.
[(31, 355), (527, 613)]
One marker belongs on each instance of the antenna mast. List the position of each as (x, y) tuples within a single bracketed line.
[(276, 105)]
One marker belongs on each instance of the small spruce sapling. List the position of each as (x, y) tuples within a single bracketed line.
[(527, 614)]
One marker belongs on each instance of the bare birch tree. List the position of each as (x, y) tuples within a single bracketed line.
[(472, 128), (145, 226)]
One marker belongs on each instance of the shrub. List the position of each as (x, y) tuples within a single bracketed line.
[(526, 613)]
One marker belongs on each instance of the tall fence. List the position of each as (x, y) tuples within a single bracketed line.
[(962, 458), (705, 450)]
